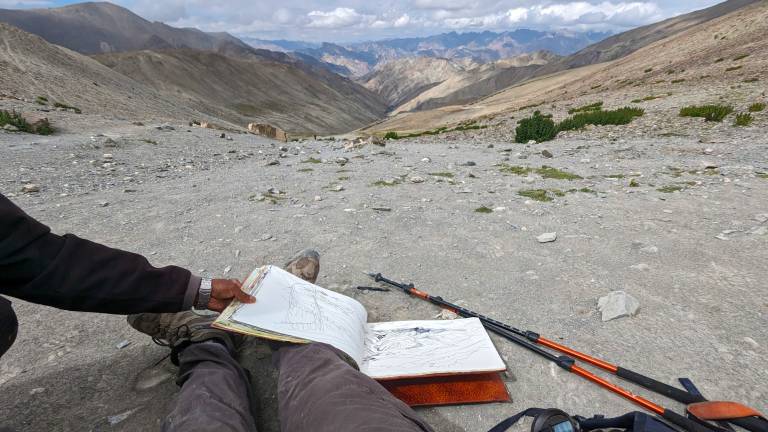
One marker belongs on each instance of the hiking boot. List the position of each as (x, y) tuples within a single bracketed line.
[(178, 330), (305, 264)]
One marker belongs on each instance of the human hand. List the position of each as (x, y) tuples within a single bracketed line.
[(223, 291)]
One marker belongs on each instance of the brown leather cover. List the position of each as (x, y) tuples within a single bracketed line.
[(718, 410), (449, 390)]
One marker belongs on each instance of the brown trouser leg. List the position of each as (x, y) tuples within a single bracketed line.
[(319, 392)]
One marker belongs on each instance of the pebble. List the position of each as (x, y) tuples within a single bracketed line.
[(417, 179), (103, 203), (122, 344), (266, 237), (227, 269), (547, 237), (318, 198), (446, 314), (383, 209), (337, 188), (115, 419), (342, 160), (547, 154), (641, 266), (762, 217), (617, 304), (469, 163), (11, 128), (273, 162), (650, 250), (237, 253), (426, 160), (30, 188)]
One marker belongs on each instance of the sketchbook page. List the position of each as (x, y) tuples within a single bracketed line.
[(288, 305), (416, 348)]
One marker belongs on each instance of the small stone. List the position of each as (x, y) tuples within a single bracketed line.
[(762, 217), (337, 188), (227, 269), (229, 138), (417, 179), (617, 304), (750, 341), (273, 162), (237, 253), (115, 419), (470, 175), (11, 128), (36, 390), (585, 160), (650, 250), (103, 203), (318, 198), (222, 136), (283, 148), (108, 156), (547, 237), (30, 188), (266, 237), (547, 154), (469, 163), (490, 145), (342, 160), (383, 209), (708, 151), (759, 231), (122, 344), (446, 314), (641, 266), (426, 160), (274, 191), (531, 142)]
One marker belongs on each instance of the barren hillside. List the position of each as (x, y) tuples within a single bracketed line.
[(32, 67), (243, 90), (104, 27)]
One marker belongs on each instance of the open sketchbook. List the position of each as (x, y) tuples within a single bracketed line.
[(290, 309)]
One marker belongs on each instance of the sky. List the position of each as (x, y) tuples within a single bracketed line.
[(357, 20)]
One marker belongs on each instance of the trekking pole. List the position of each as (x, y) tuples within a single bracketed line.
[(527, 339)]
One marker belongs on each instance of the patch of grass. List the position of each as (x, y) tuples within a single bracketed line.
[(537, 128), (535, 194), (751, 80), (69, 107), (391, 135), (648, 70), (591, 107), (670, 72), (386, 183), (306, 170), (149, 141), (483, 209), (14, 118), (341, 171), (647, 98), (514, 169), (733, 68), (719, 60), (619, 116), (673, 134), (708, 112), (343, 178), (596, 86), (743, 119), (756, 107), (442, 174), (633, 183), (739, 57), (615, 176), (763, 175), (670, 188), (554, 173), (312, 161), (41, 100), (530, 106), (677, 81)]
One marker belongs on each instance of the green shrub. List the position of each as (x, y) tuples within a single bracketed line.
[(15, 119), (535, 194), (647, 98), (591, 107), (312, 160), (554, 173), (677, 81), (442, 174), (619, 116), (708, 112), (743, 119), (739, 57), (733, 68), (751, 80), (483, 209), (41, 100), (512, 169), (537, 127), (719, 60), (648, 70), (391, 135), (69, 107), (756, 107)]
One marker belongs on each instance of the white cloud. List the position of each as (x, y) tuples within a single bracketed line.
[(19, 4), (448, 5), (337, 18)]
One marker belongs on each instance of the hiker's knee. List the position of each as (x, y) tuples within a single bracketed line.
[(9, 326)]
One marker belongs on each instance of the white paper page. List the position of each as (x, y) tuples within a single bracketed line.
[(415, 348), (291, 306)]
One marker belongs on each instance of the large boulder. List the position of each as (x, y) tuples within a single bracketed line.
[(37, 123), (268, 131)]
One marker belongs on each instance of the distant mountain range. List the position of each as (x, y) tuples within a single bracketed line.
[(358, 59)]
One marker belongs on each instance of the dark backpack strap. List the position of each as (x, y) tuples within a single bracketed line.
[(634, 421), (508, 422)]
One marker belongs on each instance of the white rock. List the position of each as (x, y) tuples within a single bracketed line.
[(641, 266), (650, 250), (318, 198), (446, 314), (547, 237), (108, 156), (417, 179), (762, 217), (30, 188), (617, 304), (227, 269), (337, 188)]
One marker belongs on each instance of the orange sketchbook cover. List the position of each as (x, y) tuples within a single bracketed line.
[(427, 362)]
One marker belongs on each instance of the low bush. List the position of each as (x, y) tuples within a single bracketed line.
[(739, 57), (708, 112), (537, 128), (535, 194), (15, 119), (391, 135), (733, 68), (743, 119), (619, 116), (69, 107), (591, 107), (756, 107), (648, 70), (677, 81)]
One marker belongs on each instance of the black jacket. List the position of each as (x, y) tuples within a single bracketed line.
[(68, 272)]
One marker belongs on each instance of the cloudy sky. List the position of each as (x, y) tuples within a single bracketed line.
[(355, 20)]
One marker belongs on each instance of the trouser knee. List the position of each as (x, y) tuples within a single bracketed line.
[(9, 326)]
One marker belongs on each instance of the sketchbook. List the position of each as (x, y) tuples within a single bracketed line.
[(290, 309)]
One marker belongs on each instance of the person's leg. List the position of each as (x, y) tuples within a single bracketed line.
[(9, 326), (319, 391), (214, 393)]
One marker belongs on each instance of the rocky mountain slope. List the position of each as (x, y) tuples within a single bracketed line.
[(701, 56), (361, 58), (252, 88), (101, 27), (423, 82)]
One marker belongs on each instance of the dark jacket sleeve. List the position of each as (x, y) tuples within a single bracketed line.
[(68, 272)]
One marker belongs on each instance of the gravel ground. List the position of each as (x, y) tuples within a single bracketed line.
[(694, 258)]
